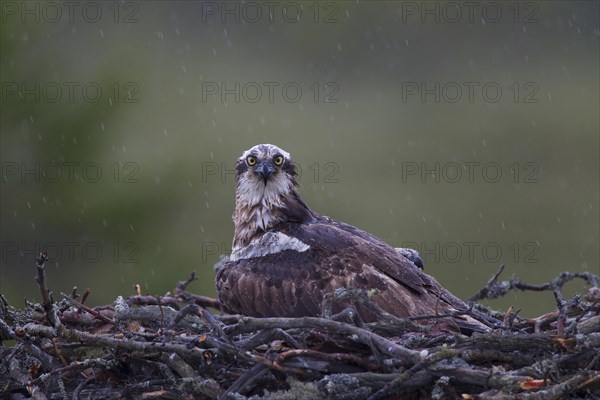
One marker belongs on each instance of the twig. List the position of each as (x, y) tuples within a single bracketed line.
[(87, 309), (434, 358), (494, 289), (202, 301), (47, 301), (385, 346), (156, 351), (486, 291), (246, 381)]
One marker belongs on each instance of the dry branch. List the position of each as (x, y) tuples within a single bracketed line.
[(172, 347)]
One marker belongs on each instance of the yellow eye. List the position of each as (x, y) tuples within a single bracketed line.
[(278, 160), (251, 160)]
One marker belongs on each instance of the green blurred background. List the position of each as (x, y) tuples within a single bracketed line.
[(143, 107)]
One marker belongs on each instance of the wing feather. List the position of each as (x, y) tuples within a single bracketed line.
[(292, 283)]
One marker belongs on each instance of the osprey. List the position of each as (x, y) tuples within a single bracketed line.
[(286, 257)]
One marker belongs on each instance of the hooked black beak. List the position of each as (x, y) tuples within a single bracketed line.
[(265, 169)]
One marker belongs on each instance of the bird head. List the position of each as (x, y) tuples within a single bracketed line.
[(264, 172), (265, 194)]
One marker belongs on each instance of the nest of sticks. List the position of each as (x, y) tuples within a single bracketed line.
[(173, 347)]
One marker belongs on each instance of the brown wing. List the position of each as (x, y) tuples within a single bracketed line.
[(274, 285), (292, 283)]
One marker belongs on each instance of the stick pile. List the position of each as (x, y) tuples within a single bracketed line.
[(173, 347)]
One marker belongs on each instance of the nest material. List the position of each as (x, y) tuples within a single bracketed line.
[(172, 347)]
